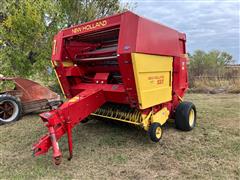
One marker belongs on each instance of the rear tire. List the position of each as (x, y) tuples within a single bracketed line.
[(10, 109), (186, 116), (155, 132)]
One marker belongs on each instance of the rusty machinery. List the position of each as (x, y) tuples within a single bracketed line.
[(123, 67), (27, 96)]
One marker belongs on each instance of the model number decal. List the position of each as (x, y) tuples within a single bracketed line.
[(89, 26), (156, 79)]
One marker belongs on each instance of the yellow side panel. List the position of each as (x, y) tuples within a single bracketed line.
[(153, 77)]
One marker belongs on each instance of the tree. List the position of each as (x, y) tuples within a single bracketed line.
[(210, 64), (80, 11), (25, 36)]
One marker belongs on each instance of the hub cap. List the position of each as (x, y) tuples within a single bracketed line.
[(8, 110), (158, 132), (191, 118)]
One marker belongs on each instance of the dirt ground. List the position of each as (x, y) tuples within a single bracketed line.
[(107, 150)]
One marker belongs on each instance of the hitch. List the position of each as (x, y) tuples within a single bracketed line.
[(63, 119)]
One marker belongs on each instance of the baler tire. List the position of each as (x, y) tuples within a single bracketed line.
[(186, 116), (16, 105), (85, 120), (155, 132)]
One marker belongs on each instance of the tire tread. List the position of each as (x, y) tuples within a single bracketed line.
[(182, 116)]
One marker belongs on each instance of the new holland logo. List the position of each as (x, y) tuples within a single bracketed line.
[(89, 26)]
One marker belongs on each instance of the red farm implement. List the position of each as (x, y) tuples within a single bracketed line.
[(123, 67), (27, 96)]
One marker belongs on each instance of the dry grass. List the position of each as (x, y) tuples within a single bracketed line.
[(215, 85), (105, 150)]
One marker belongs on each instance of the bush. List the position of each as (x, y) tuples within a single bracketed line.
[(209, 72)]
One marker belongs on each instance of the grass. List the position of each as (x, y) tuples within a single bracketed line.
[(215, 85), (107, 150)]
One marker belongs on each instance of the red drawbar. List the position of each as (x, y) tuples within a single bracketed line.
[(65, 118)]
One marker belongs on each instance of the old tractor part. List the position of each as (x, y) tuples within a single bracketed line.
[(124, 68), (10, 109), (27, 96)]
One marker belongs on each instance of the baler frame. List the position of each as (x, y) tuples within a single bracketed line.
[(122, 60)]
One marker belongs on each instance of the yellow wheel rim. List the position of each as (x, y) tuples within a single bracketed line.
[(191, 117), (158, 132)]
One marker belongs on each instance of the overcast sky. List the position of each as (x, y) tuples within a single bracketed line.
[(209, 24)]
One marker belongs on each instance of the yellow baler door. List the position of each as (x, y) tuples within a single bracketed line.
[(153, 77)]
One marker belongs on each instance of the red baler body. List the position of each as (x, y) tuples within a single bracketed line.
[(93, 63)]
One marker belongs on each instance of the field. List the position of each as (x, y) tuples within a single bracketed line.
[(107, 150)]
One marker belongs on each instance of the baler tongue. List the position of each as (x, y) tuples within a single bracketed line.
[(63, 119)]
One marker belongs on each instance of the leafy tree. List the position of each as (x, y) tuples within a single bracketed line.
[(79, 11), (25, 36), (209, 64)]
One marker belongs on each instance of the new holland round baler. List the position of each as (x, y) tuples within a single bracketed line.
[(123, 67)]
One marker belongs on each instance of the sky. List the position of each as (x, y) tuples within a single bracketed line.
[(208, 24)]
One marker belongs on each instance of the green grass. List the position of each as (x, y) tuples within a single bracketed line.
[(107, 150)]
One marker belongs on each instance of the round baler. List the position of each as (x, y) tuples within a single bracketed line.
[(123, 67)]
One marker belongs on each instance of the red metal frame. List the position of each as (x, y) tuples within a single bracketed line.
[(65, 118), (102, 69), (29, 90), (33, 96)]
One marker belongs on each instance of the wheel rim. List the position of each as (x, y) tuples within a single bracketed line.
[(8, 110), (191, 118), (158, 132)]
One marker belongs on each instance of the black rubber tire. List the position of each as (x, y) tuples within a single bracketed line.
[(85, 120), (7, 97), (182, 116), (152, 132)]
